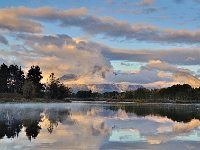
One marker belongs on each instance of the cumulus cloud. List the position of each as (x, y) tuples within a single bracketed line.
[(172, 130), (86, 60), (185, 78), (89, 62), (182, 128), (178, 75), (63, 55), (156, 73)]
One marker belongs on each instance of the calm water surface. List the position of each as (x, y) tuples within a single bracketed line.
[(91, 126)]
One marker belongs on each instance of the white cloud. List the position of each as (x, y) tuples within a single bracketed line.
[(185, 78), (164, 66), (88, 61), (144, 76), (63, 55)]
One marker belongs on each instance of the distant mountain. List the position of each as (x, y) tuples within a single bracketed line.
[(101, 88)]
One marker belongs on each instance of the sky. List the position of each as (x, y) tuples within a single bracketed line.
[(143, 42)]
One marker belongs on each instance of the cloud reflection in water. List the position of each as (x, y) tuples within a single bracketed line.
[(95, 126)]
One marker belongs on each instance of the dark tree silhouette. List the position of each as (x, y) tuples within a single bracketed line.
[(15, 79), (35, 75), (56, 89), (4, 73), (33, 129), (11, 79)]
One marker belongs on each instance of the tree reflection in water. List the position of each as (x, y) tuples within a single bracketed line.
[(32, 129), (9, 125), (53, 116), (33, 120), (179, 113), (12, 121)]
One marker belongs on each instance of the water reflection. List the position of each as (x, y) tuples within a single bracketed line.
[(176, 112), (13, 119), (99, 126)]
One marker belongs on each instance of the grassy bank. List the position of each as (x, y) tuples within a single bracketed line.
[(17, 98)]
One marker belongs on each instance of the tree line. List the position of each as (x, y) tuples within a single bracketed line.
[(174, 93), (13, 80)]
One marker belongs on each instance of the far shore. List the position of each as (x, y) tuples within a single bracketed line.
[(67, 100)]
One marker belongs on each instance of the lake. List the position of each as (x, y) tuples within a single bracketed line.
[(99, 126)]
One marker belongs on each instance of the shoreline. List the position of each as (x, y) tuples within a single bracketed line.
[(69, 100)]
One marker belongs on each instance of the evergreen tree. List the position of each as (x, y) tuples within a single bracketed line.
[(15, 79), (35, 75), (56, 89), (4, 72)]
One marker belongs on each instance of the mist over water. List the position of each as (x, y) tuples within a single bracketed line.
[(99, 126)]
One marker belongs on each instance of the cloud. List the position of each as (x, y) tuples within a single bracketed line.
[(190, 59), (121, 114), (68, 77), (160, 138), (159, 119), (150, 10), (185, 78), (21, 19), (63, 55), (164, 66), (156, 73), (167, 72), (177, 56), (89, 62), (85, 132), (122, 29), (3, 40), (172, 130), (109, 2), (44, 12), (10, 20), (126, 64), (145, 2), (182, 128), (24, 19), (144, 76)]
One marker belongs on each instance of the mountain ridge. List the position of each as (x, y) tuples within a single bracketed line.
[(102, 88)]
